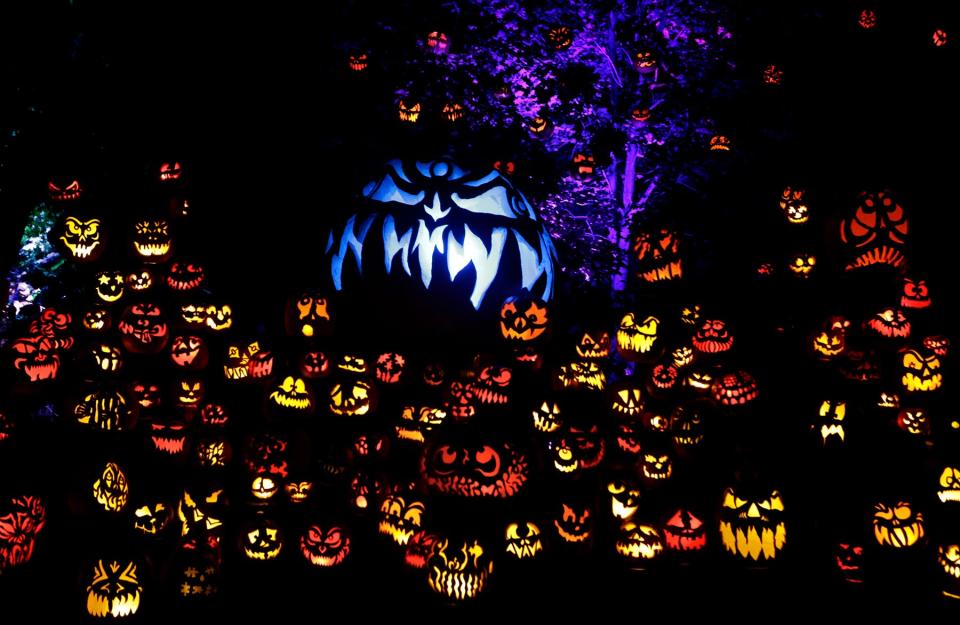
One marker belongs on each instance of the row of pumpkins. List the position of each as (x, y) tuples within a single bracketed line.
[(387, 441)]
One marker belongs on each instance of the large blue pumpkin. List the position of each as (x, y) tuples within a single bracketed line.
[(455, 233)]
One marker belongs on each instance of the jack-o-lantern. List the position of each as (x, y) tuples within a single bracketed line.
[(627, 400), (352, 363), (314, 365), (189, 392), (390, 367), (81, 240), (890, 323), (560, 37), (214, 416), (720, 143), (699, 379), (408, 110), (638, 542), (97, 320), (793, 205), (867, 19), (104, 408), (452, 111), (629, 437), (574, 524), (830, 420), (64, 189), (419, 549), (109, 285), (199, 516), (298, 491), (634, 339), (189, 351), (682, 356), (585, 374), (214, 453), (921, 371), (169, 436), (458, 571), (185, 276), (683, 531), (624, 499), (584, 165), (645, 61), (939, 345), (712, 337), (358, 61), (753, 528), (888, 400), (218, 318), (352, 398), (949, 483), (656, 467), (307, 315), (266, 453), (442, 225), (152, 519), (114, 590), (140, 280), (849, 558), (292, 393), (264, 486), (260, 364), (898, 526), (492, 386), (325, 546), (236, 364), (577, 448), (914, 421), (474, 469), (170, 171), (915, 294), (263, 540), (772, 75), (664, 376), (437, 42), (540, 126), (416, 423), (523, 317), (939, 38), (547, 418), (36, 357), (829, 343), (460, 400), (143, 329), (802, 264), (151, 240), (948, 557), (399, 520), (110, 489), (7, 426), (20, 524), (657, 255), (523, 540), (145, 394), (877, 231), (194, 315), (735, 389)]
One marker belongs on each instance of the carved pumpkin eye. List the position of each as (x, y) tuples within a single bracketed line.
[(488, 461), (446, 459)]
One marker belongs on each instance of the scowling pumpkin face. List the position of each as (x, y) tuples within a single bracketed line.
[(458, 570), (638, 542), (443, 226), (921, 371), (523, 540), (657, 255), (683, 531), (627, 400), (593, 345), (152, 519), (949, 483), (635, 338), (400, 520), (585, 374), (419, 549), (574, 524), (492, 386), (185, 276), (897, 525), (82, 240), (546, 418), (753, 528), (474, 469), (114, 590), (876, 231), (325, 546)]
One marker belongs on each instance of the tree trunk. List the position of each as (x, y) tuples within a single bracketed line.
[(625, 211)]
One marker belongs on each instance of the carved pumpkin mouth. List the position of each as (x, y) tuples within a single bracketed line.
[(949, 560)]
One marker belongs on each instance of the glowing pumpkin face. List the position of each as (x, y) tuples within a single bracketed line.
[(949, 483), (262, 541), (314, 365), (793, 205), (189, 351), (114, 590), (358, 61), (110, 489), (584, 166), (152, 519), (474, 470), (579, 447), (921, 372), (36, 357), (624, 499), (145, 395), (218, 318), (389, 367), (151, 240), (523, 540), (658, 256), (104, 408), (458, 571), (82, 240), (492, 386), (753, 529), (292, 393), (436, 215), (832, 414), (897, 526), (416, 423), (829, 343), (170, 171), (848, 559), (140, 280), (189, 392), (735, 389), (64, 190), (560, 37), (201, 515), (638, 542), (352, 398), (97, 320), (867, 19), (109, 285), (20, 525), (143, 329), (876, 231), (712, 337), (419, 549), (523, 318), (575, 524), (585, 374), (298, 491), (915, 294), (683, 531), (437, 42), (307, 315), (185, 276), (325, 546), (460, 400), (948, 557), (627, 400), (890, 323), (656, 466), (914, 421), (546, 418), (802, 264), (452, 111), (400, 520), (635, 338)]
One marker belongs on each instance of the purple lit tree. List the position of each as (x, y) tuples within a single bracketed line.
[(615, 94)]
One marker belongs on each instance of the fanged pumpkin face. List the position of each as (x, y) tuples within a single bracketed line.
[(475, 470), (325, 546), (351, 398), (890, 323), (638, 542), (263, 541), (458, 571), (82, 239), (523, 318), (949, 485), (830, 422), (921, 372), (916, 294), (753, 528), (624, 499), (627, 401), (585, 374), (793, 205), (683, 531), (492, 385), (151, 240), (897, 526), (735, 389), (712, 337), (876, 231), (169, 437), (152, 519), (636, 338), (399, 520), (358, 61), (452, 111), (546, 418), (523, 540), (292, 393), (408, 110), (185, 276), (657, 255), (416, 423), (110, 489), (575, 524), (36, 357), (656, 466), (114, 590), (64, 190)]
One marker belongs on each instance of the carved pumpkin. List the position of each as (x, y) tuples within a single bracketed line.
[(458, 571), (802, 264), (848, 559), (753, 528), (712, 337), (772, 75), (389, 367), (218, 318), (914, 421), (683, 531), (314, 365), (97, 320), (399, 520), (720, 143), (81, 240), (419, 549), (921, 372), (949, 483), (36, 357), (897, 526), (263, 540), (152, 519), (657, 255), (185, 276), (307, 315), (325, 546), (170, 171), (298, 491), (109, 285), (876, 231), (417, 422), (352, 398), (916, 294), (408, 111), (189, 392), (585, 374), (577, 448), (794, 207), (890, 323), (442, 225), (867, 19), (735, 389), (152, 241), (523, 540), (627, 400), (560, 37), (292, 393), (575, 523), (189, 352), (199, 516), (20, 524), (634, 339), (143, 329), (140, 280), (638, 542), (473, 469), (114, 590), (110, 489), (546, 418), (624, 499), (358, 61), (64, 190), (831, 415), (523, 317), (105, 409), (452, 111)]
